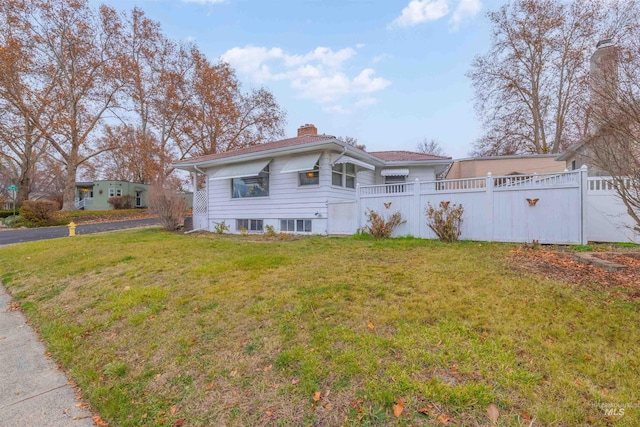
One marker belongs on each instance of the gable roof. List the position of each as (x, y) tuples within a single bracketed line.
[(306, 143), (283, 143)]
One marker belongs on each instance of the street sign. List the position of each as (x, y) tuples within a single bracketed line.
[(13, 189)]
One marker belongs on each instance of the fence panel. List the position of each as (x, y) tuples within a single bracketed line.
[(342, 217), (547, 208), (607, 217)]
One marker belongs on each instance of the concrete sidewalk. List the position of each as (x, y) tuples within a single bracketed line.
[(33, 391)]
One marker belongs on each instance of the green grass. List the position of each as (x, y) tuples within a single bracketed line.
[(231, 330), (113, 213)]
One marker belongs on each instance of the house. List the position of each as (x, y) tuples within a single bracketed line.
[(290, 184), (476, 167), (95, 195)]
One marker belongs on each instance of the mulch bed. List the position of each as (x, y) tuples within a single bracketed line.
[(562, 266)]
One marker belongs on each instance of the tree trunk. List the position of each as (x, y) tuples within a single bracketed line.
[(69, 195)]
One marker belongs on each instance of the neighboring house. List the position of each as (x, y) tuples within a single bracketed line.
[(95, 195), (580, 154), (504, 165), (289, 184)]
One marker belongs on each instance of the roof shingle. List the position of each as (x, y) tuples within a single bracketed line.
[(283, 143), (399, 156)]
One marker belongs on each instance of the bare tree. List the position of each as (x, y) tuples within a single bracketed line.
[(529, 87), (75, 61), (22, 143), (351, 141), (430, 146), (615, 144)]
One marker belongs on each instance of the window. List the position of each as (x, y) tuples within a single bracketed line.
[(311, 177), (296, 225), (249, 224), (573, 165), (118, 192), (344, 175), (395, 184), (112, 192), (251, 186)]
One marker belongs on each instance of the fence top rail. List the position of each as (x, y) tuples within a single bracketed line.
[(497, 181)]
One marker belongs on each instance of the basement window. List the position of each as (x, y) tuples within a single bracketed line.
[(295, 225), (249, 225)]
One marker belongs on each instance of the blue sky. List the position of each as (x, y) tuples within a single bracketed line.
[(388, 73)]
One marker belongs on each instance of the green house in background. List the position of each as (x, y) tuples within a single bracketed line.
[(95, 195)]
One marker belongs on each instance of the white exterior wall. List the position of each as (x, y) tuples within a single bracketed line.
[(421, 173), (286, 200)]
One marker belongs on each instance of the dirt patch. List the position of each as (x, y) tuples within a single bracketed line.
[(564, 267)]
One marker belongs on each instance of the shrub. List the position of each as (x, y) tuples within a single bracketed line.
[(39, 212), (121, 202), (221, 228), (380, 226), (445, 221), (169, 206), (6, 213), (269, 231)]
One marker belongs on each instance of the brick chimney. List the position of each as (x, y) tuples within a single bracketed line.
[(603, 78), (307, 129)]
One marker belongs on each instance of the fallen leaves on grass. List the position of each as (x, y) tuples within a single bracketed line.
[(99, 421), (370, 325), (398, 407), (493, 413), (316, 396), (444, 419), (563, 267), (425, 410)]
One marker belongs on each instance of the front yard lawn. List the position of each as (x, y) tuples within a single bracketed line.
[(167, 329)]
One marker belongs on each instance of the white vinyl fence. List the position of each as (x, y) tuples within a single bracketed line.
[(607, 217), (547, 208)]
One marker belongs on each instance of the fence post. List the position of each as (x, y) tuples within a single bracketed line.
[(583, 204), (415, 226), (358, 205), (489, 208)]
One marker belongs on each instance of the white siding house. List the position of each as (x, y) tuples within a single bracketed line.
[(298, 185)]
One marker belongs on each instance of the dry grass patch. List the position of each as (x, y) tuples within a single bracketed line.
[(241, 330)]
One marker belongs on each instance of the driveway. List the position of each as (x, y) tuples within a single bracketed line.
[(8, 237)]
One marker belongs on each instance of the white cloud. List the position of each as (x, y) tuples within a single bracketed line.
[(381, 58), (360, 45), (366, 102), (317, 75), (365, 83), (466, 9), (336, 109), (419, 11)]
